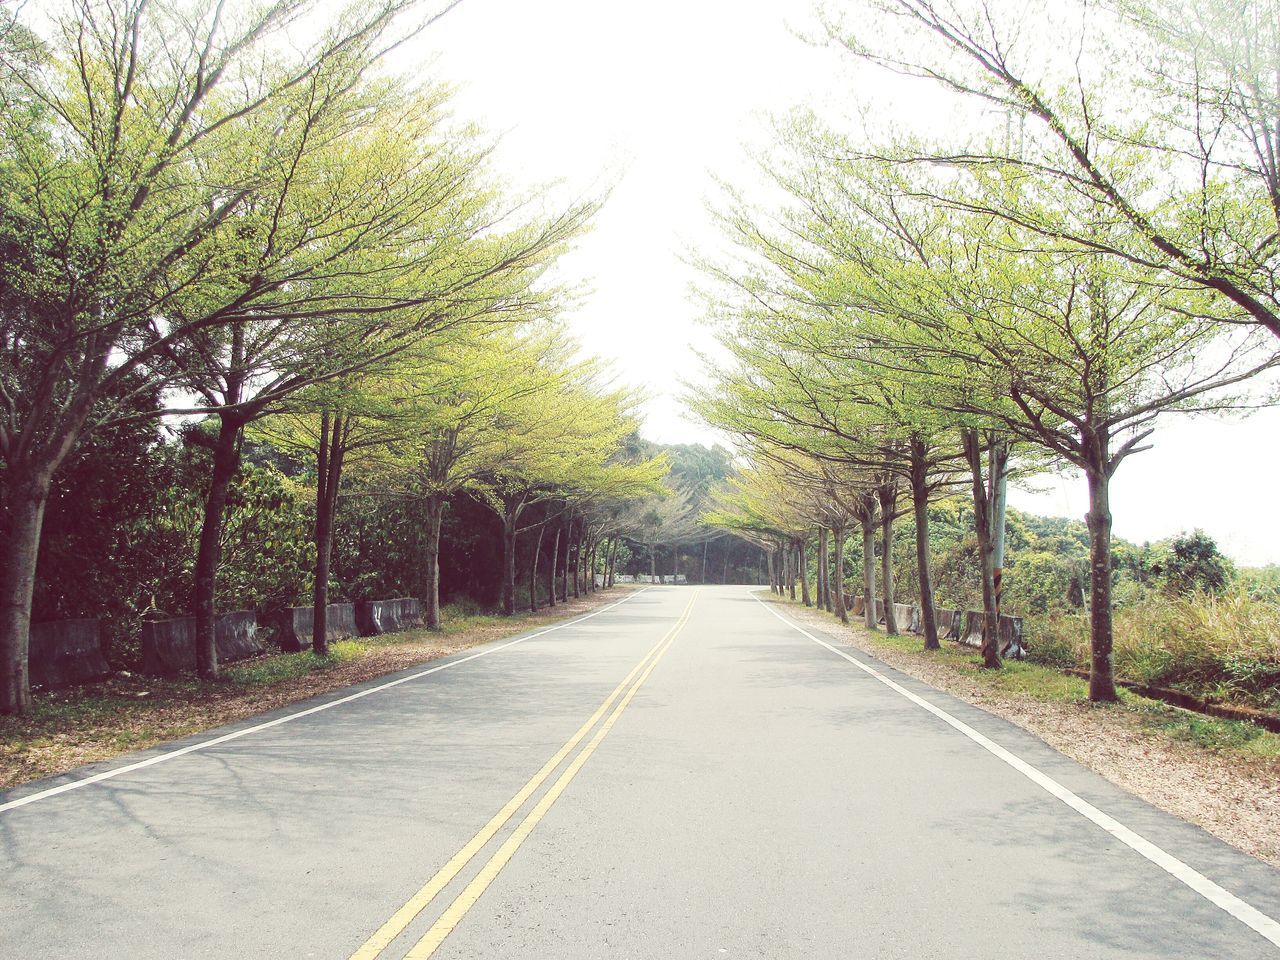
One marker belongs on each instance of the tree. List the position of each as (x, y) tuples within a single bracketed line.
[(330, 423), (1193, 562), (564, 442), (1191, 182), (1066, 351), (667, 518), (135, 139), (389, 236), (469, 414)]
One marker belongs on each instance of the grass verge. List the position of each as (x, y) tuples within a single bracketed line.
[(69, 728), (1048, 684)]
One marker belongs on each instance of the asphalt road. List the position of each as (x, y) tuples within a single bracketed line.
[(685, 774)]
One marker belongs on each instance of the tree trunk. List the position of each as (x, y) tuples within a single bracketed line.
[(320, 585), (328, 477), (869, 617), (653, 563), (824, 587), (803, 548), (226, 461), (841, 611), (564, 573), (705, 545), (790, 551), (533, 572), (982, 526), (435, 515), (555, 555), (773, 582), (886, 572), (613, 561), (25, 500), (577, 563), (1102, 684), (920, 506), (509, 564)]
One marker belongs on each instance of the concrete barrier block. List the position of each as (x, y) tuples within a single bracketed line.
[(1012, 645), (295, 625), (857, 607), (374, 617), (236, 636), (955, 624), (902, 615), (169, 646), (949, 623), (66, 652), (879, 610), (1008, 634), (916, 624)]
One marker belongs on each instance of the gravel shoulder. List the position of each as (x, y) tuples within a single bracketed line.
[(1230, 790), (93, 722)]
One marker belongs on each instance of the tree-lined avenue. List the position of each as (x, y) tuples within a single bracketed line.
[(685, 773)]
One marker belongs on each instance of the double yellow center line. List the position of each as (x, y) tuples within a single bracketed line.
[(453, 914)]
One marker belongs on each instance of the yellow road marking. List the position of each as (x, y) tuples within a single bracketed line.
[(441, 929), (372, 947)]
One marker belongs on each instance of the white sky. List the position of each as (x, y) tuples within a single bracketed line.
[(658, 98)]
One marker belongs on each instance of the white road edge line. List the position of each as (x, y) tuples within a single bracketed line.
[(1250, 916), (205, 744)]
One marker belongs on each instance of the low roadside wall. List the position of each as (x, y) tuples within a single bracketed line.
[(295, 624), (66, 652), (169, 646), (388, 616), (954, 623), (915, 623), (1009, 633), (949, 622)]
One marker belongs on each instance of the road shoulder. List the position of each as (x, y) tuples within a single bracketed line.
[(1232, 797), (97, 724)]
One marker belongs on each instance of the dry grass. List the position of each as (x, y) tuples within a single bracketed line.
[(1224, 649), (69, 728), (1221, 775)]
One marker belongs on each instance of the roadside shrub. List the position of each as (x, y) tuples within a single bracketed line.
[(1191, 563), (460, 609), (1053, 643), (267, 553), (1037, 582)]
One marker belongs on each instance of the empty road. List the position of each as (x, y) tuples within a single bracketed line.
[(683, 774)]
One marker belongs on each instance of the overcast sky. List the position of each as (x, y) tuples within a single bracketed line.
[(656, 100)]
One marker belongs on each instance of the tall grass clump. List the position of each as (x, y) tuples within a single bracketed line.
[(1219, 647)]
